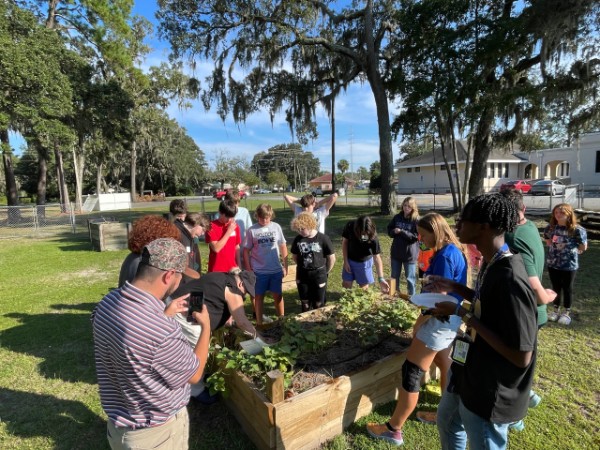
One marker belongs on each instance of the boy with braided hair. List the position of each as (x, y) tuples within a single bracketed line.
[(491, 373)]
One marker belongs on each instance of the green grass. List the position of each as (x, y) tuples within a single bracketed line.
[(49, 398)]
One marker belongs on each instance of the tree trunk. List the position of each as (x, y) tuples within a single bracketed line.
[(444, 145), (78, 164), (333, 142), (51, 18), (60, 179), (388, 193), (42, 182), (467, 167), (99, 179), (447, 143), (42, 176), (133, 169), (12, 198), (482, 150), (459, 188)]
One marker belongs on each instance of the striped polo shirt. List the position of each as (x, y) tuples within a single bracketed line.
[(143, 361)]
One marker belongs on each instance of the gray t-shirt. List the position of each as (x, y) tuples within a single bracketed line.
[(264, 243), (242, 218)]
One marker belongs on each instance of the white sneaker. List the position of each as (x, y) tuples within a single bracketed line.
[(267, 319), (564, 319), (553, 316)]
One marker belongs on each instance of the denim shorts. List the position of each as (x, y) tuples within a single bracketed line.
[(438, 335), (362, 272), (269, 282)]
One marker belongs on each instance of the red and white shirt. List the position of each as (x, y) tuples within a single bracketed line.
[(143, 361)]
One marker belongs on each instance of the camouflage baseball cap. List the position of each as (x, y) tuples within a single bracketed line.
[(165, 254)]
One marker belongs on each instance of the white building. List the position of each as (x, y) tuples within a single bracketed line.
[(577, 164)]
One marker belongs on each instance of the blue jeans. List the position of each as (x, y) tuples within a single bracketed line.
[(410, 270), (456, 424)]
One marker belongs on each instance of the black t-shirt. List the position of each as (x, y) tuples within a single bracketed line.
[(312, 251), (359, 250), (194, 261), (489, 385), (212, 285)]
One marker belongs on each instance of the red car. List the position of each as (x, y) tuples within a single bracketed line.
[(520, 185), (220, 195)]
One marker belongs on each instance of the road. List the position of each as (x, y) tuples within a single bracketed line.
[(535, 204)]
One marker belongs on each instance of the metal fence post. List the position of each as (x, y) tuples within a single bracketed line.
[(36, 223), (72, 218)]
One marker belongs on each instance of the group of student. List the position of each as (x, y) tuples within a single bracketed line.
[(487, 364), (486, 370)]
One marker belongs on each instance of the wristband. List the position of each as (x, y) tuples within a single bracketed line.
[(381, 279)]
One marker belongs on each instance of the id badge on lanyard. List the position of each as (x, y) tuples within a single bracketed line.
[(461, 350)]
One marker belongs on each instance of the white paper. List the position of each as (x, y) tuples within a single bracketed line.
[(253, 346), (429, 299)]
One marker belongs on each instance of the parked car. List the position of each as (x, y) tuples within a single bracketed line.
[(522, 186), (548, 187), (262, 191), (220, 194)]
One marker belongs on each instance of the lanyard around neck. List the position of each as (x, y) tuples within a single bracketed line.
[(502, 252)]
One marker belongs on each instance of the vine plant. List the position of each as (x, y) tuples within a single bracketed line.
[(365, 312)]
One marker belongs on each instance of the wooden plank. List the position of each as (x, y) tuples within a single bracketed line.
[(109, 235), (274, 388), (315, 416), (252, 410)]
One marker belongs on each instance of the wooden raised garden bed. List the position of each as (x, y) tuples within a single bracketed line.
[(307, 420)]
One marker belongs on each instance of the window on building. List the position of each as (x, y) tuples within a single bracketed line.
[(598, 161), (452, 166), (409, 170), (443, 167), (417, 169), (491, 170), (505, 171), (564, 169)]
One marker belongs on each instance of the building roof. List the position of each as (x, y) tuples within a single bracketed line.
[(427, 159), (327, 179)]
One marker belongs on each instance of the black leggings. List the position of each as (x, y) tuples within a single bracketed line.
[(312, 286), (562, 281)]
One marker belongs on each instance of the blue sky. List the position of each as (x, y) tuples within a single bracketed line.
[(356, 121)]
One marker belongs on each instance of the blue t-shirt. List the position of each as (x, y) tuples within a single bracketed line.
[(449, 262), (562, 251)]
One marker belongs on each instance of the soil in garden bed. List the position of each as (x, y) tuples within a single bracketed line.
[(345, 356)]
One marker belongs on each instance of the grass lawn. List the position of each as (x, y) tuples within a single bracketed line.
[(48, 392)]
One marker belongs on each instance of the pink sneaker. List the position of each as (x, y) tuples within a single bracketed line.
[(384, 433)]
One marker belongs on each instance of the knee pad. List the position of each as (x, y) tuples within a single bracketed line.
[(411, 376)]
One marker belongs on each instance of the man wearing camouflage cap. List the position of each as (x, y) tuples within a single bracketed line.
[(143, 362)]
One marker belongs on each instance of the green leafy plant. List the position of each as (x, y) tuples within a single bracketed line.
[(364, 312), (372, 316)]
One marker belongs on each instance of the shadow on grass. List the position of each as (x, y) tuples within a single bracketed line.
[(63, 341), (69, 424)]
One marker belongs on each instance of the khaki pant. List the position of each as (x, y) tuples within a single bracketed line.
[(172, 435)]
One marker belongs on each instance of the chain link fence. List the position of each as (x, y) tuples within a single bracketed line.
[(36, 220)]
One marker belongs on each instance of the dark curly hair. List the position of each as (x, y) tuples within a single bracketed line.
[(149, 228), (495, 209)]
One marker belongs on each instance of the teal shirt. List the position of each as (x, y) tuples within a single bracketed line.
[(526, 241)]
